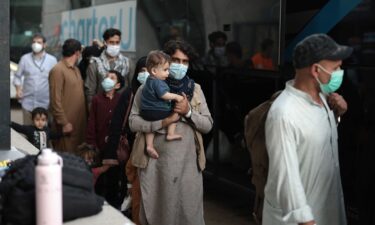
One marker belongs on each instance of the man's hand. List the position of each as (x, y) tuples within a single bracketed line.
[(97, 43), (308, 223), (174, 117), (19, 93), (337, 104), (182, 107), (67, 128)]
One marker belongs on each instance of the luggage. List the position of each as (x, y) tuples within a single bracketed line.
[(256, 144), (17, 191)]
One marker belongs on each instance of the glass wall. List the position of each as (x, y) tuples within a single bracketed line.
[(177, 19), (357, 127), (357, 131), (25, 21), (77, 4), (231, 81)]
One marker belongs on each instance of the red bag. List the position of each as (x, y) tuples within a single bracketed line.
[(123, 149)]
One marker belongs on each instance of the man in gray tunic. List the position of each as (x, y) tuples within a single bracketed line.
[(303, 185), (172, 185)]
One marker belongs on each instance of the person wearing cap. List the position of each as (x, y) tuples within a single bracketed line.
[(303, 185)]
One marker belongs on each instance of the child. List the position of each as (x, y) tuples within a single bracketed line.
[(101, 112), (102, 107), (90, 155), (155, 99), (38, 134)]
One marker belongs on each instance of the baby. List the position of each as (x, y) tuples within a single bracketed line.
[(91, 156), (156, 98)]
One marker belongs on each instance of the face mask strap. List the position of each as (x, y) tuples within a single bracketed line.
[(324, 70)]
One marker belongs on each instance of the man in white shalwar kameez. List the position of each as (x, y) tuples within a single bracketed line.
[(303, 185)]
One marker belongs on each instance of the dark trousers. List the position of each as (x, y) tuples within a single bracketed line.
[(112, 185)]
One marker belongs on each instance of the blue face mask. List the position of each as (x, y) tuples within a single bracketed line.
[(334, 83), (219, 51), (177, 71), (108, 84), (142, 77)]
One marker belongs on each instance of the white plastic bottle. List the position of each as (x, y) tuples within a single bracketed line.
[(48, 187)]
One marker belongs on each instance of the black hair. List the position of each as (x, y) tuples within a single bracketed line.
[(171, 46), (110, 33), (91, 51), (135, 83), (266, 43), (234, 48), (120, 78), (214, 36), (38, 35), (87, 53), (70, 47), (39, 111), (85, 149)]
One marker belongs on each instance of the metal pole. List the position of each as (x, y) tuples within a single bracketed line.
[(4, 76), (281, 59), (216, 118)]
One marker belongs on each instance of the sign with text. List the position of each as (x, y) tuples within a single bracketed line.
[(90, 23)]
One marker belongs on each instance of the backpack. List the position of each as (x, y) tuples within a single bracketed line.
[(255, 122), (17, 191)]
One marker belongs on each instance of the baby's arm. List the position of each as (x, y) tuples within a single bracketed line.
[(171, 96)]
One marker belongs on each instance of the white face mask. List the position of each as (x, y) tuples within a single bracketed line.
[(36, 47), (113, 50)]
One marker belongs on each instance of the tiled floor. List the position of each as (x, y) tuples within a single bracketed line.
[(225, 205), (224, 211)]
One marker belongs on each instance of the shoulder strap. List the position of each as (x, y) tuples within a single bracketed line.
[(256, 118), (128, 110)]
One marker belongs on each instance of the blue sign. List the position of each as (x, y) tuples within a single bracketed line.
[(90, 23)]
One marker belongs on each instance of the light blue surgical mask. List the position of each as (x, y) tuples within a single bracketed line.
[(219, 51), (177, 71), (334, 83), (142, 77), (108, 84)]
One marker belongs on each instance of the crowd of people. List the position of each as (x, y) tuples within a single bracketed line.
[(87, 110), (164, 114)]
